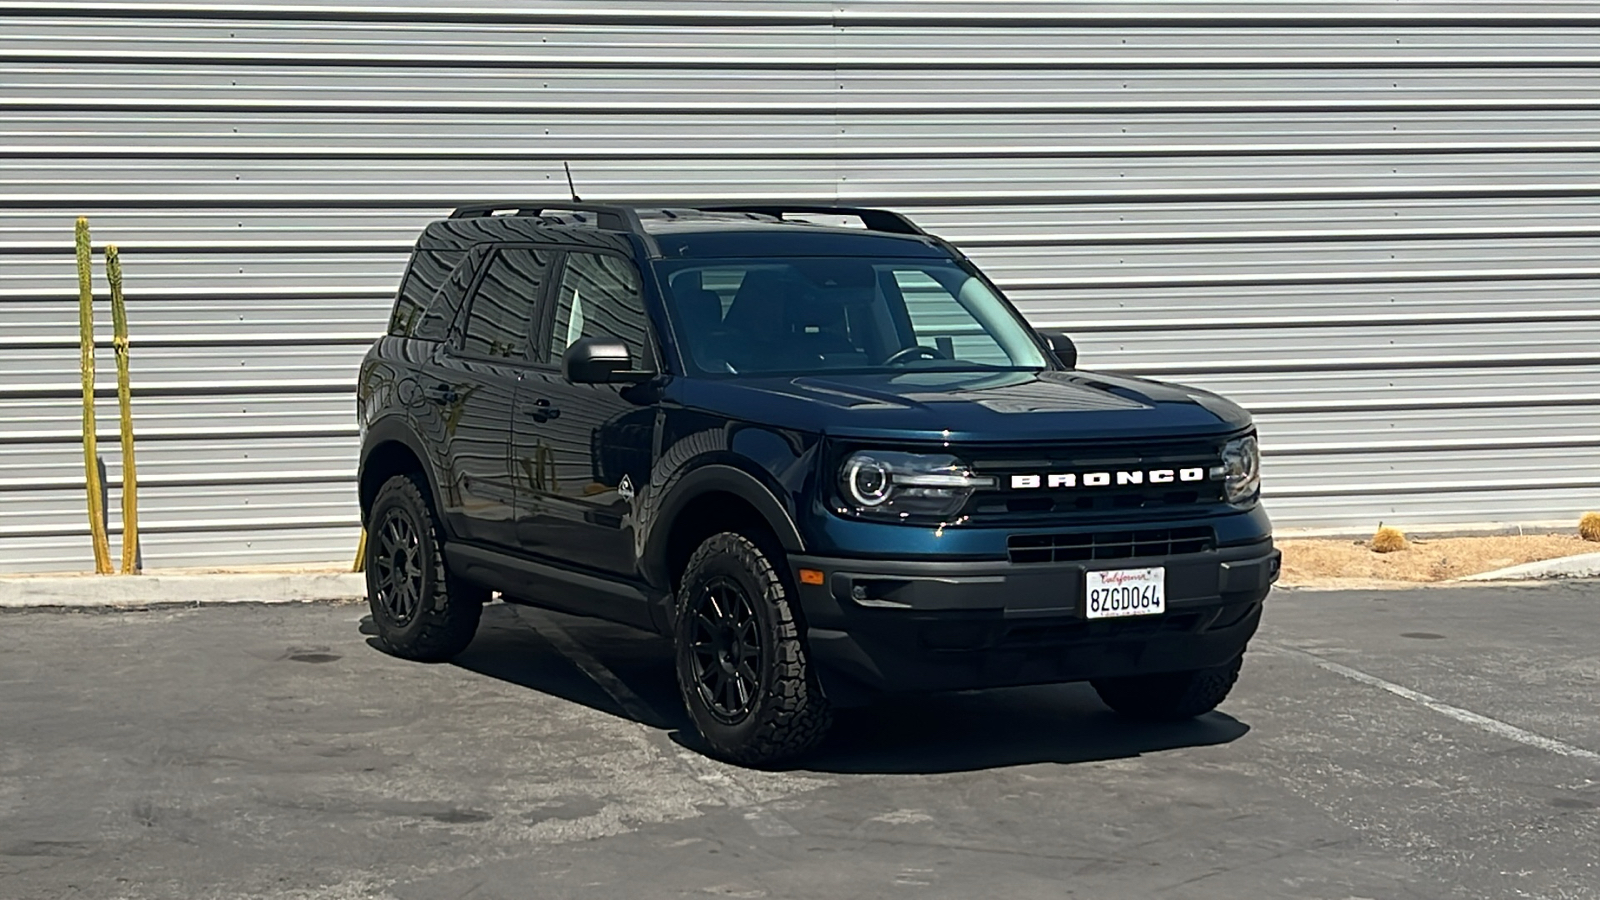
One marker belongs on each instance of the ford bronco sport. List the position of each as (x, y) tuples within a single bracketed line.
[(830, 463)]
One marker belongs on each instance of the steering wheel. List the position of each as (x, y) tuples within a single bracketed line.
[(906, 354)]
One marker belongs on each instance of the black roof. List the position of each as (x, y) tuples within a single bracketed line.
[(687, 231)]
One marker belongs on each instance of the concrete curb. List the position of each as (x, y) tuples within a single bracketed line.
[(84, 591), (1586, 565)]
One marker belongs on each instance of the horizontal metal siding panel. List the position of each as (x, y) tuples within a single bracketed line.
[(29, 372), (1373, 226), (217, 462), (906, 13), (1387, 390), (1322, 433), (180, 416), (180, 510), (420, 43), (240, 545), (1026, 180), (1361, 509), (593, 135), (93, 85)]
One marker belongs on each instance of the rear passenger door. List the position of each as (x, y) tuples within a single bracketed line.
[(584, 450), (474, 383)]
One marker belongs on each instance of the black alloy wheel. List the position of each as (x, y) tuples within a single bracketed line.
[(419, 609), (397, 566), (725, 649), (743, 666)]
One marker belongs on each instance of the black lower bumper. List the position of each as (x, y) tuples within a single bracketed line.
[(877, 626)]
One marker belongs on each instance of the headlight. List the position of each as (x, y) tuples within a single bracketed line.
[(896, 485), (1241, 466)]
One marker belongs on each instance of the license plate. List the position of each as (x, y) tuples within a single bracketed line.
[(1114, 593)]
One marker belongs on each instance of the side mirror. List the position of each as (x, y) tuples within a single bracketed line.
[(1062, 347), (596, 360)]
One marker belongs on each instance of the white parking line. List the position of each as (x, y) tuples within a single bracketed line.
[(764, 823), (568, 646), (1477, 720), (722, 779)]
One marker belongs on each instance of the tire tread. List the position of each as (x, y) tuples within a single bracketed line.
[(796, 716), (448, 618)]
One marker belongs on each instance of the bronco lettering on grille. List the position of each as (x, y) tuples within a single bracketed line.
[(1118, 478)]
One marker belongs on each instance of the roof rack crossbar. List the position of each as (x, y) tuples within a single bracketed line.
[(874, 219), (615, 218)]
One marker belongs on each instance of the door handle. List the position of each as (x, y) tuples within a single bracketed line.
[(543, 411), (442, 394)]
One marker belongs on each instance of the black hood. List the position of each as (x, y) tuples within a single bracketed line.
[(971, 406)]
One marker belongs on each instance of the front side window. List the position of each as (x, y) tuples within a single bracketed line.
[(501, 315), (599, 297), (847, 313)]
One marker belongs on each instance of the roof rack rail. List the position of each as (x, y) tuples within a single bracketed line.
[(874, 219), (610, 216)]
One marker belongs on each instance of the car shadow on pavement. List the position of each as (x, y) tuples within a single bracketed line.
[(926, 734), (1063, 723)]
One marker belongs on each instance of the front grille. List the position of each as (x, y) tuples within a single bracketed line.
[(1003, 505), (1097, 545), (993, 505)]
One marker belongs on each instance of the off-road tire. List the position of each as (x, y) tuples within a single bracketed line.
[(446, 611), (1170, 696), (787, 715)]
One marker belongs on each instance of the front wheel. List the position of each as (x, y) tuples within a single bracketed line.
[(1170, 696), (742, 666), (420, 611)]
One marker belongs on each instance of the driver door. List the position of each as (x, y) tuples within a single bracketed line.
[(584, 450)]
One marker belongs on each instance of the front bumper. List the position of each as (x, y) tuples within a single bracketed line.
[(879, 626)]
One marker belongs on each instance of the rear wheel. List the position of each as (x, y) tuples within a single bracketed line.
[(420, 611), (742, 666), (1170, 696)]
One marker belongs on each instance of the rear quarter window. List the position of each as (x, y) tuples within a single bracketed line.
[(418, 311)]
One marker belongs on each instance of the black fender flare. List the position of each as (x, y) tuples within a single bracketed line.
[(717, 477), (393, 429)]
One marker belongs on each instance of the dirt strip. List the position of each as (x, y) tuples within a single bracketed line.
[(1319, 562)]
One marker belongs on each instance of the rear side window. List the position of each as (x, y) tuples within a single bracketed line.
[(500, 319), (428, 272)]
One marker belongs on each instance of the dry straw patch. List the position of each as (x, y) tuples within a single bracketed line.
[(1389, 540), (1314, 561)]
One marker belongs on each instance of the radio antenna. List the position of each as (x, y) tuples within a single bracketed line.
[(571, 188)]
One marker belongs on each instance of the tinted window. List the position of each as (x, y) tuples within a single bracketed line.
[(503, 305), (942, 322), (809, 314), (443, 309), (599, 297), (427, 273)]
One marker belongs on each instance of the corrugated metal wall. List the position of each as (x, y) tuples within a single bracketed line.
[(1375, 224)]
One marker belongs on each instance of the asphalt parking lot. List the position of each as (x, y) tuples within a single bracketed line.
[(1421, 743)]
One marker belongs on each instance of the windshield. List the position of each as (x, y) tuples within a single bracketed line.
[(803, 315)]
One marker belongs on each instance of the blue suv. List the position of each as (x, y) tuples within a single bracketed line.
[(813, 446)]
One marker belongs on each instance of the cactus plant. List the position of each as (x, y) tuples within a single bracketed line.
[(91, 455), (130, 476)]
